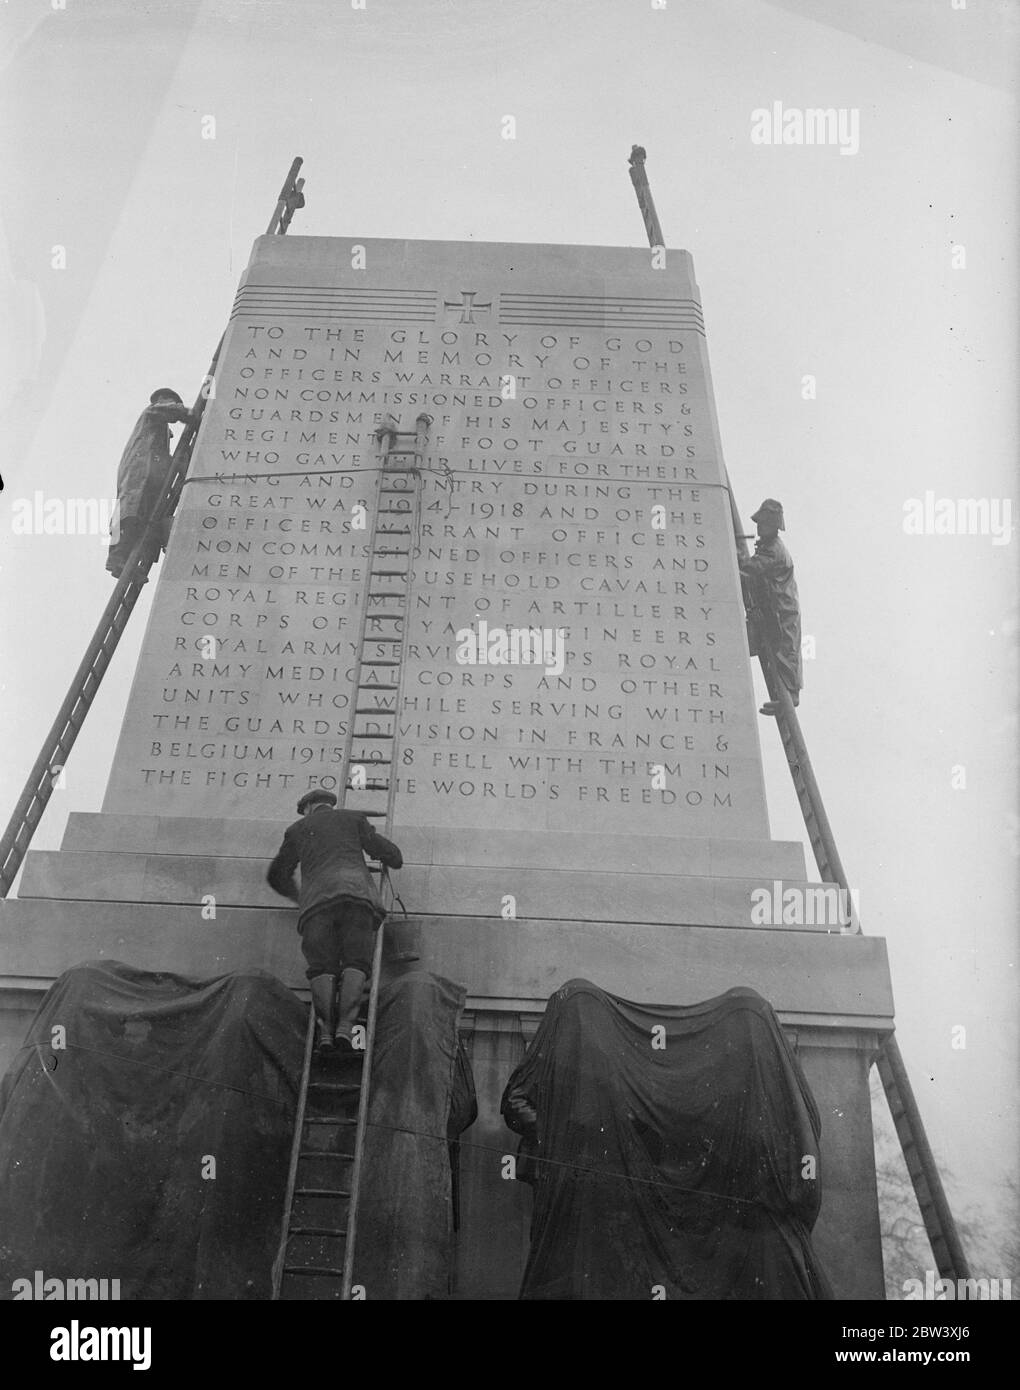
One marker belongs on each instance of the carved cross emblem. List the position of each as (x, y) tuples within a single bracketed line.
[(467, 306)]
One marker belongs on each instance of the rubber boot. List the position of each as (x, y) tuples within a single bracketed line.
[(352, 982), (323, 989)]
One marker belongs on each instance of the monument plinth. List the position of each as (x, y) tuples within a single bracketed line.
[(609, 788)]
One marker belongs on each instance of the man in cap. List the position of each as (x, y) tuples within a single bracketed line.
[(143, 471), (773, 589), (340, 906)]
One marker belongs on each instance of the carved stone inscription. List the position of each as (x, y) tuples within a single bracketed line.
[(572, 489)]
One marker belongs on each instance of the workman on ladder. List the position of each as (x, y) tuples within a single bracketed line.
[(143, 471), (773, 591), (340, 906)]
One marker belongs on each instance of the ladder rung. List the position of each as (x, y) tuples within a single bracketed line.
[(334, 1085), (320, 1191), (317, 1231), (313, 1153), (328, 1120), (909, 1127), (313, 1271)]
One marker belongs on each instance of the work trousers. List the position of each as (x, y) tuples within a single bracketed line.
[(337, 938)]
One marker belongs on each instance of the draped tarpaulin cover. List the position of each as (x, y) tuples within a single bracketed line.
[(669, 1150), (105, 1144), (422, 1097), (102, 1157)]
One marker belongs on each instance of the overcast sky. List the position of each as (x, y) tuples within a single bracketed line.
[(810, 262)]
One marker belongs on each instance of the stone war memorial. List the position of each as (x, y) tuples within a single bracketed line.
[(578, 779)]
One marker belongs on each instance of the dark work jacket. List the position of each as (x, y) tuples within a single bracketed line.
[(146, 459), (770, 573), (330, 848)]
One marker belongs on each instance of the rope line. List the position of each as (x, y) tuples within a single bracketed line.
[(445, 470)]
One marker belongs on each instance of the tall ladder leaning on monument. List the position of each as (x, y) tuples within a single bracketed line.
[(917, 1154), (924, 1175), (61, 738), (369, 768)]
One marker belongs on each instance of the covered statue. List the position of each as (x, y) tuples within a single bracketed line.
[(673, 1151)]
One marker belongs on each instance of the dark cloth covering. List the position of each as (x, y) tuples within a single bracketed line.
[(678, 1166), (423, 1096), (330, 847), (101, 1158), (769, 572)]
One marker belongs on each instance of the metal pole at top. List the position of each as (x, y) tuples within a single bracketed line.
[(639, 179)]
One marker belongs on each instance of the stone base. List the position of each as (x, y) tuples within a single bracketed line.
[(141, 886), (625, 878)]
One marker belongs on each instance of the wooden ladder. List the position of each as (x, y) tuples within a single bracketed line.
[(99, 653), (943, 1235), (319, 1230), (56, 749)]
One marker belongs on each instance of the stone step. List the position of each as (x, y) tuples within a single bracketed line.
[(841, 981), (539, 849), (434, 890)]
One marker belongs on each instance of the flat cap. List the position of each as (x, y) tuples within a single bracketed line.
[(316, 794)]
